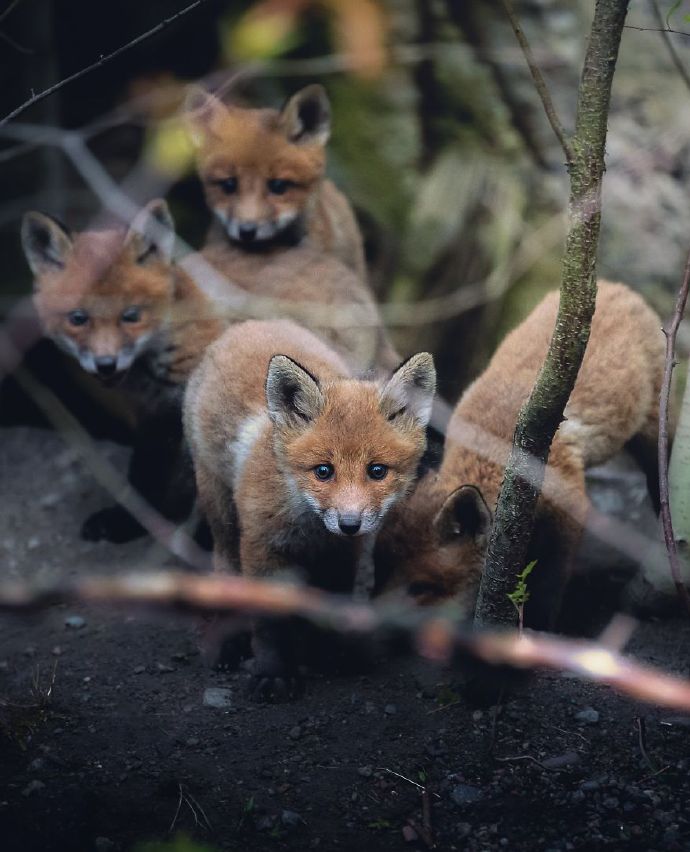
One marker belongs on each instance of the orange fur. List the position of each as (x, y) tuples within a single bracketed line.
[(117, 304), (265, 457), (240, 152), (435, 543)]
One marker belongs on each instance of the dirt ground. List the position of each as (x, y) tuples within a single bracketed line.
[(139, 740)]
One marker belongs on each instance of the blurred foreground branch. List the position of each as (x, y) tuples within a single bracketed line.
[(438, 636)]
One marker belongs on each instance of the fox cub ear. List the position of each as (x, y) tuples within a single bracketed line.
[(292, 394), (306, 116), (410, 390), (463, 515), (152, 233), (203, 113), (46, 243)]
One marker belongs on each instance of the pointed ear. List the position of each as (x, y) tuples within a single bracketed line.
[(464, 514), (152, 233), (410, 390), (46, 243), (306, 116), (293, 395), (203, 113)]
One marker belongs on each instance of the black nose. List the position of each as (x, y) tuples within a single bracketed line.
[(349, 525), (106, 366), (247, 232)]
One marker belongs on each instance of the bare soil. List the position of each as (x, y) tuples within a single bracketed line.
[(124, 748)]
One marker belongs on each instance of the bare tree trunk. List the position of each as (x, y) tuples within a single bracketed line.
[(540, 417)]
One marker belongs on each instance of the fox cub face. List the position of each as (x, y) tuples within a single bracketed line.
[(434, 546), (349, 448), (259, 167), (103, 295)]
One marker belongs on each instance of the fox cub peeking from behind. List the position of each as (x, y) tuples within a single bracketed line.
[(310, 458), (434, 544), (263, 175), (114, 301)]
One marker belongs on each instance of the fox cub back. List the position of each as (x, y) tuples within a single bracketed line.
[(263, 174), (435, 543)]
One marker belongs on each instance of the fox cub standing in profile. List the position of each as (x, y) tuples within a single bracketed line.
[(263, 175), (435, 543), (311, 458), (114, 301)]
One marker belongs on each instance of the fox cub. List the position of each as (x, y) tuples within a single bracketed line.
[(311, 458), (434, 544), (114, 301), (263, 175)]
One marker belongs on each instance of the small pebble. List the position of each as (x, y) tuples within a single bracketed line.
[(365, 771), (588, 716), (409, 834), (291, 819), (464, 794), (295, 733), (217, 696), (390, 709), (75, 622), (561, 760)]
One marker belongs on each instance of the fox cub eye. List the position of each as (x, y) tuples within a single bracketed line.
[(229, 185), (377, 471), (77, 317), (323, 471), (131, 314), (278, 186)]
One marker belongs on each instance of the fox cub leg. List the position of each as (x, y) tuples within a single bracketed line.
[(158, 455)]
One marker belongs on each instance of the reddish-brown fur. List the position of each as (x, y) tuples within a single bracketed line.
[(435, 542), (253, 146), (268, 407), (142, 322)]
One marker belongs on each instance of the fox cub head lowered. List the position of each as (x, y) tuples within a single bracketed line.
[(260, 167), (349, 448), (102, 295)]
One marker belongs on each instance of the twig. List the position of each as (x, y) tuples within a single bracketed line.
[(177, 811), (438, 637), (39, 96), (668, 41), (665, 507), (655, 30), (539, 82), (641, 735)]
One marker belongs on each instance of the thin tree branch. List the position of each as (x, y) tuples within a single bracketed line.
[(656, 30), (437, 634), (668, 41), (671, 332), (539, 82), (35, 98), (9, 9)]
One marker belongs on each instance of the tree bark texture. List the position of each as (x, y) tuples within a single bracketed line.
[(541, 415)]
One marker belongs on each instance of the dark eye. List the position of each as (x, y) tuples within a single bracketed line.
[(278, 186), (78, 317), (377, 471), (323, 471), (131, 314), (229, 185)]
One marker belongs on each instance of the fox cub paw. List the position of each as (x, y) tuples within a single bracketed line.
[(112, 524), (271, 684)]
